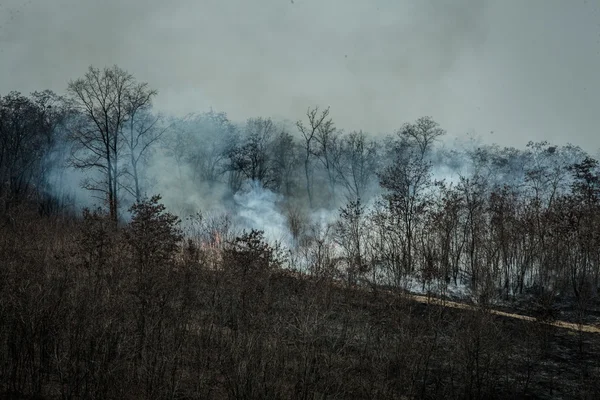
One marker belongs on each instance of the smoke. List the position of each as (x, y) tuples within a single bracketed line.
[(473, 64), (258, 208), (65, 184), (368, 53), (195, 149)]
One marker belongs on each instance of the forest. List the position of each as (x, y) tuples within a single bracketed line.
[(150, 256)]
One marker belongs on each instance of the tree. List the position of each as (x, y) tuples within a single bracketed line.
[(249, 254), (28, 133), (106, 100), (584, 204), (215, 131), (358, 163), (142, 132), (446, 222), (421, 135), (349, 234), (198, 145), (316, 123), (285, 162), (408, 180), (153, 237), (252, 157), (327, 151), (473, 192), (202, 143), (586, 181)]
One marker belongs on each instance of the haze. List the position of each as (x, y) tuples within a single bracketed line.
[(522, 70)]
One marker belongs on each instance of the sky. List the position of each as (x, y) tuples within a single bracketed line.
[(509, 71)]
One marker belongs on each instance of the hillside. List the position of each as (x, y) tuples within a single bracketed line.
[(91, 311)]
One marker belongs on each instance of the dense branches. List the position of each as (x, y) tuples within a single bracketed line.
[(106, 100), (28, 134)]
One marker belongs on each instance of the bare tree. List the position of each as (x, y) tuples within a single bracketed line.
[(473, 192), (408, 180), (358, 164), (316, 122), (27, 136), (422, 134), (202, 143), (144, 131), (215, 132), (285, 162), (350, 232), (328, 152), (105, 100), (252, 157)]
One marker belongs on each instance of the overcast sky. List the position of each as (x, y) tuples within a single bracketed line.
[(524, 69)]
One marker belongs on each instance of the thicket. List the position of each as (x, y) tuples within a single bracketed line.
[(93, 310)]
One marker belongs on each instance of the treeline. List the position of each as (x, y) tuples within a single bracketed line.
[(499, 220)]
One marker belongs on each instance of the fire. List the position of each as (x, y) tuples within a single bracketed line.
[(211, 248), (212, 243)]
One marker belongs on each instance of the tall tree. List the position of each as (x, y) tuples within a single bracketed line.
[(144, 130), (316, 123), (358, 163), (285, 162), (106, 100), (350, 232), (327, 151), (214, 135), (252, 157), (27, 136), (408, 180)]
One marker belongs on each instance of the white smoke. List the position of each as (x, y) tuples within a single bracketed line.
[(258, 208)]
